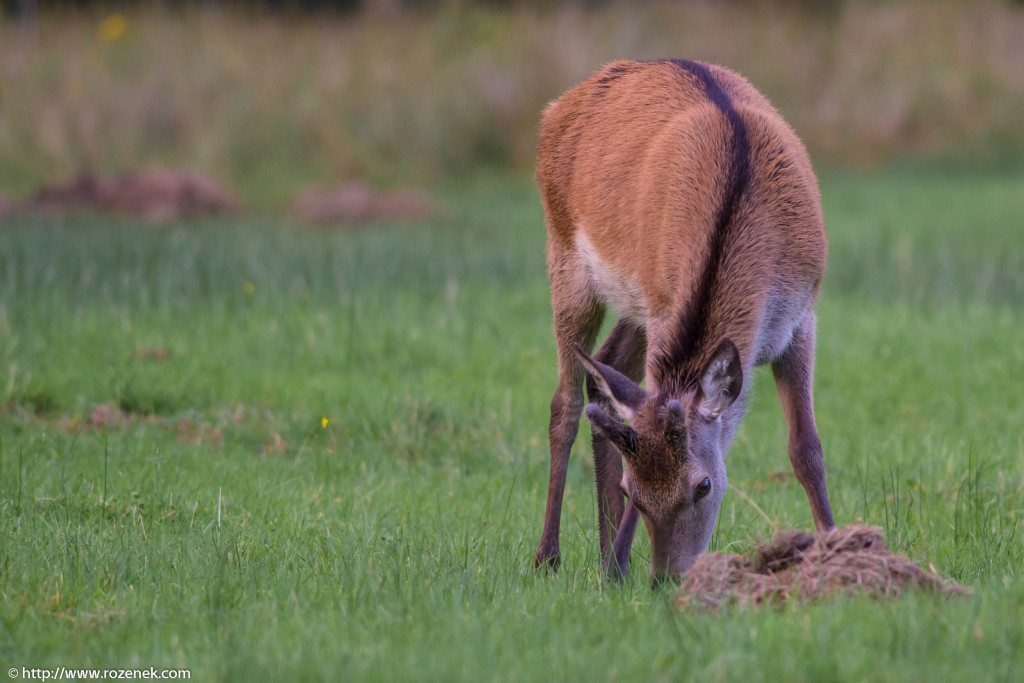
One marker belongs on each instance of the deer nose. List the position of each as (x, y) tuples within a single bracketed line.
[(664, 572), (659, 563), (670, 570)]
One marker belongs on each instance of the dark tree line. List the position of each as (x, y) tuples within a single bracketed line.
[(30, 8), (27, 8)]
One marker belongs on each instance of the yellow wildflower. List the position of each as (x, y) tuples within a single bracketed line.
[(249, 288), (324, 422), (113, 27)]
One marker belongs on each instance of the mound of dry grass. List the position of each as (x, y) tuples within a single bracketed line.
[(158, 195), (356, 203), (797, 566)]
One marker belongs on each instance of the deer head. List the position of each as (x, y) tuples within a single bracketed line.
[(674, 448)]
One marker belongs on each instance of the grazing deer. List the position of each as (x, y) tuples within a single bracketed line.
[(674, 191)]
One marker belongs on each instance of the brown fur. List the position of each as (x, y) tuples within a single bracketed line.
[(675, 191)]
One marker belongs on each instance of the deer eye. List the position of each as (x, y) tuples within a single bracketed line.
[(703, 489)]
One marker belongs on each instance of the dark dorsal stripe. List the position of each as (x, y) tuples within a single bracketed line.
[(676, 367), (611, 75)]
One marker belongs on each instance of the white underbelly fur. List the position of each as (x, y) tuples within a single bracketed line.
[(624, 293), (778, 319)]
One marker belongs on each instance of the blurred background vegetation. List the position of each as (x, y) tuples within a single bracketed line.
[(272, 96)]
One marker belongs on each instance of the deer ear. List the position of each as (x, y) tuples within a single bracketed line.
[(720, 382), (622, 435), (625, 395)]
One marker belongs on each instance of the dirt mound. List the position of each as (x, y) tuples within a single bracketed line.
[(156, 195), (103, 415), (357, 202), (797, 566)]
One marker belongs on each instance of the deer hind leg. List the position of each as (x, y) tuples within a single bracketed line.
[(578, 315), (625, 350), (794, 377)]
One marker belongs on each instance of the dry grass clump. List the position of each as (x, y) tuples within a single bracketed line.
[(158, 195), (356, 203), (797, 566)]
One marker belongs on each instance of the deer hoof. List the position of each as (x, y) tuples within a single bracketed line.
[(547, 560), (615, 572)]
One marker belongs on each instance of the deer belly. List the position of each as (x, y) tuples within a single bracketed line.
[(625, 293), (778, 321)]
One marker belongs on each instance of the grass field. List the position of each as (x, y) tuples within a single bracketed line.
[(226, 529)]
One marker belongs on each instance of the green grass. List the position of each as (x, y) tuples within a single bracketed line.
[(396, 542)]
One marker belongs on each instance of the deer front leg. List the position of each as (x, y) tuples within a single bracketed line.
[(794, 377), (624, 350), (577, 320), (617, 565)]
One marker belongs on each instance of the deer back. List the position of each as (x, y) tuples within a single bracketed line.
[(691, 201)]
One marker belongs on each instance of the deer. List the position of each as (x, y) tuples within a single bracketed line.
[(674, 193)]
